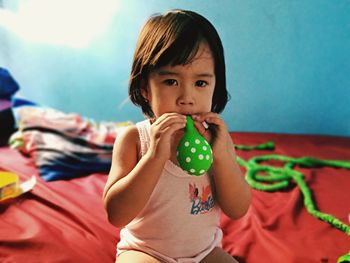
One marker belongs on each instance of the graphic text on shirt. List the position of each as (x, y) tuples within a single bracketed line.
[(201, 202)]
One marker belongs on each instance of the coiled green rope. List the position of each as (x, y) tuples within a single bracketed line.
[(278, 178)]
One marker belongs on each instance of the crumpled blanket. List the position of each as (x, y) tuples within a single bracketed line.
[(64, 146)]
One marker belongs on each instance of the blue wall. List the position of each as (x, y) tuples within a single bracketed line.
[(288, 63)]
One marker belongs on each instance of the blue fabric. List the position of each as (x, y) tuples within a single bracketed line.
[(8, 85), (19, 102), (60, 166)]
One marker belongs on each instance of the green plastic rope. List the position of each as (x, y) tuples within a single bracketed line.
[(344, 259), (278, 178), (264, 146)]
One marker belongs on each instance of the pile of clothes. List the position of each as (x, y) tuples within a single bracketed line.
[(64, 146)]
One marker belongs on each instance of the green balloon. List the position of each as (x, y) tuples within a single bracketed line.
[(194, 153)]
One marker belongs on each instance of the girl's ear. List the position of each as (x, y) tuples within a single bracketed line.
[(144, 90)]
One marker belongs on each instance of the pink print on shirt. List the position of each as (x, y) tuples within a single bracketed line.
[(203, 203)]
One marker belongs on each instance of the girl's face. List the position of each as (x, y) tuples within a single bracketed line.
[(185, 89)]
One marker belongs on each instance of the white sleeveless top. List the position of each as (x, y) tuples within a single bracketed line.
[(181, 218)]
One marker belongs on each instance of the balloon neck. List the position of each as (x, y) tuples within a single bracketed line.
[(189, 124)]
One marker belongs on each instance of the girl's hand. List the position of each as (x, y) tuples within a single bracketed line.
[(217, 133), (162, 134), (232, 191)]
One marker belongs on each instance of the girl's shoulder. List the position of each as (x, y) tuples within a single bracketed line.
[(128, 138), (129, 135)]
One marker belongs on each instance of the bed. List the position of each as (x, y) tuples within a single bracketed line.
[(62, 218)]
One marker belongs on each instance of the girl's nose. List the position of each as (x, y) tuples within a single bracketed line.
[(186, 97)]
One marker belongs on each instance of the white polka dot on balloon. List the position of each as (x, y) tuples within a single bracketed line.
[(187, 144), (193, 150), (200, 157), (197, 141), (188, 159)]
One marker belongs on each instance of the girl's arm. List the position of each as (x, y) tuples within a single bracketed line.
[(232, 191), (233, 194), (131, 181)]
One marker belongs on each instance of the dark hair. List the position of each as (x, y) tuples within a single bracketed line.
[(159, 43)]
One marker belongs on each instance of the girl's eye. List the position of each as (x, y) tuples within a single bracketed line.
[(170, 82), (201, 83)]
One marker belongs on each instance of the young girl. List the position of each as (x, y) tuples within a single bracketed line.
[(168, 215)]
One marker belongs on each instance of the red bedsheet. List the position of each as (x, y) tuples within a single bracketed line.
[(64, 221)]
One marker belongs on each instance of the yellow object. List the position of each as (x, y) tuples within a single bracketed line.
[(9, 186)]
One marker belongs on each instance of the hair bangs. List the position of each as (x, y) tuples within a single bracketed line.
[(180, 48)]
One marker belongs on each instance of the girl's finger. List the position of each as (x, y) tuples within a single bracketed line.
[(168, 131), (209, 118), (169, 119), (167, 116), (200, 127)]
